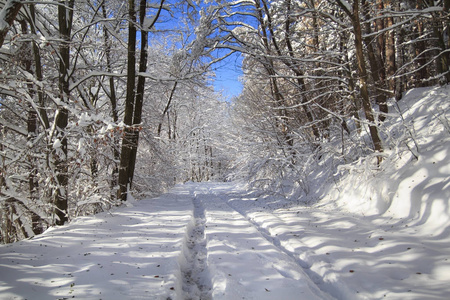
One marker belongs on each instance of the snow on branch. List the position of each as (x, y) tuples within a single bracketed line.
[(17, 129), (7, 16), (94, 74)]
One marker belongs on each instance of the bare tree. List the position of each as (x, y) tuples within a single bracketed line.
[(353, 13), (135, 96)]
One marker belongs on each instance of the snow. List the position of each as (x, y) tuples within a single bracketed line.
[(149, 22), (3, 14), (346, 4), (243, 262), (131, 253), (372, 234), (57, 144)]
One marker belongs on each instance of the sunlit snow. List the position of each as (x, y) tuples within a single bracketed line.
[(382, 234)]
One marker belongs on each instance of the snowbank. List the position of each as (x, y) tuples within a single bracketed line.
[(414, 181)]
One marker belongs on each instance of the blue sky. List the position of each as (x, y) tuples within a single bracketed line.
[(227, 71), (227, 76)]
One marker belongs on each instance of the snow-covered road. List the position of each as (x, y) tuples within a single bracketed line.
[(243, 261), (219, 241)]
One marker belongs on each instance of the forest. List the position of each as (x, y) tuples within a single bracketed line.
[(102, 101)]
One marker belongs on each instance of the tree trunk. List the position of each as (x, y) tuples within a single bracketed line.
[(65, 17), (10, 11), (364, 92), (32, 118), (390, 53), (32, 133), (347, 72), (166, 110), (38, 69), (124, 178), (400, 57), (381, 42), (442, 57), (419, 49), (268, 36), (137, 116), (300, 81), (134, 99), (113, 101), (375, 68)]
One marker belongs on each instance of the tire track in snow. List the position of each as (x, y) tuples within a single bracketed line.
[(246, 263), (316, 278), (195, 273)]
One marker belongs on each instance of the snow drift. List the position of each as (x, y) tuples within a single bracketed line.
[(414, 179)]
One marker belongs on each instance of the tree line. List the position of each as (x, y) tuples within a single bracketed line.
[(98, 99), (321, 78), (101, 98)]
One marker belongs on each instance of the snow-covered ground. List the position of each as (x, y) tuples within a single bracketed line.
[(218, 241), (373, 234), (131, 253)]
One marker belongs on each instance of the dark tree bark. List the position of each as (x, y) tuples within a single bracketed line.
[(375, 68), (290, 63), (419, 49), (32, 129), (37, 222), (364, 92), (442, 60), (269, 66), (347, 73), (137, 116), (65, 18), (39, 115), (381, 41), (400, 59), (32, 116), (124, 178), (113, 100), (43, 117), (390, 53), (11, 9), (135, 97), (166, 110)]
